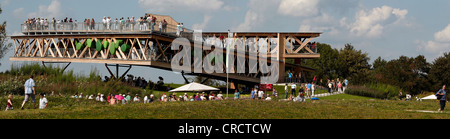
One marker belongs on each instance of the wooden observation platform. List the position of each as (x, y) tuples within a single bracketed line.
[(145, 47)]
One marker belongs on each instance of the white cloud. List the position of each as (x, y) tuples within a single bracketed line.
[(18, 13), (322, 23), (251, 18), (171, 5), (443, 35), (438, 46), (5, 2), (202, 26), (298, 7), (256, 15), (371, 23), (400, 13), (52, 10)]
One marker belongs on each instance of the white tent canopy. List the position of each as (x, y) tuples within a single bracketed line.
[(430, 97), (194, 87)]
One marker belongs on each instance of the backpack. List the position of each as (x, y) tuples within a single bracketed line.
[(439, 97)]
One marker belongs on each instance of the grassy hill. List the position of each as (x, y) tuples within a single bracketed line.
[(333, 107), (343, 106)]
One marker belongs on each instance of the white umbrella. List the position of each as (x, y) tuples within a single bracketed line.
[(430, 97), (194, 87)]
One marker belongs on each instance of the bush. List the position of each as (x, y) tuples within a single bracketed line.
[(12, 86), (381, 91)]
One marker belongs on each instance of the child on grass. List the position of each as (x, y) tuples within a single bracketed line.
[(9, 103)]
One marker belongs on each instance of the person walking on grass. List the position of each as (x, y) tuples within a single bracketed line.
[(30, 91), (442, 97)]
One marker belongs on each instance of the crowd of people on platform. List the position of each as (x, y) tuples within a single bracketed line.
[(46, 24), (147, 22)]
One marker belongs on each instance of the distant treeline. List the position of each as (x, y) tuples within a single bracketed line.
[(412, 74)]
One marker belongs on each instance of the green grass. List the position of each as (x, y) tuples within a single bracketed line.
[(333, 107)]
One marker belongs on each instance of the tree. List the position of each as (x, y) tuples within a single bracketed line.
[(325, 65), (353, 64), (3, 39), (411, 74), (378, 68), (439, 72), (346, 63)]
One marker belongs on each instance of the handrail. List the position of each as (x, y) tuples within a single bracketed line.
[(98, 27)]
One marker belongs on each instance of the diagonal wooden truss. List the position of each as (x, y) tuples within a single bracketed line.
[(151, 50)]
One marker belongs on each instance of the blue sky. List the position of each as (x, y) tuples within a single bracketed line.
[(386, 28)]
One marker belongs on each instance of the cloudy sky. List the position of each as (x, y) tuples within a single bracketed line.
[(386, 28)]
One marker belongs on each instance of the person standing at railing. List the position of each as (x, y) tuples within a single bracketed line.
[(58, 25), (141, 23), (108, 23), (104, 22), (116, 24), (46, 24), (153, 23), (53, 23), (132, 22), (75, 24), (92, 24), (86, 24), (181, 28), (178, 29), (70, 24), (122, 24), (164, 26), (144, 21), (160, 26), (127, 23)]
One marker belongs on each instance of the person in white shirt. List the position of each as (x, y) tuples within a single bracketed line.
[(160, 26), (146, 99), (260, 94), (136, 99), (43, 102), (98, 97), (164, 97), (185, 97), (220, 96), (108, 23), (101, 98), (313, 87), (286, 91), (132, 23), (104, 23), (91, 97), (293, 88)]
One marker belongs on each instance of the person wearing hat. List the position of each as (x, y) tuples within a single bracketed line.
[(98, 97), (136, 99), (124, 101), (151, 99), (185, 97), (164, 97)]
